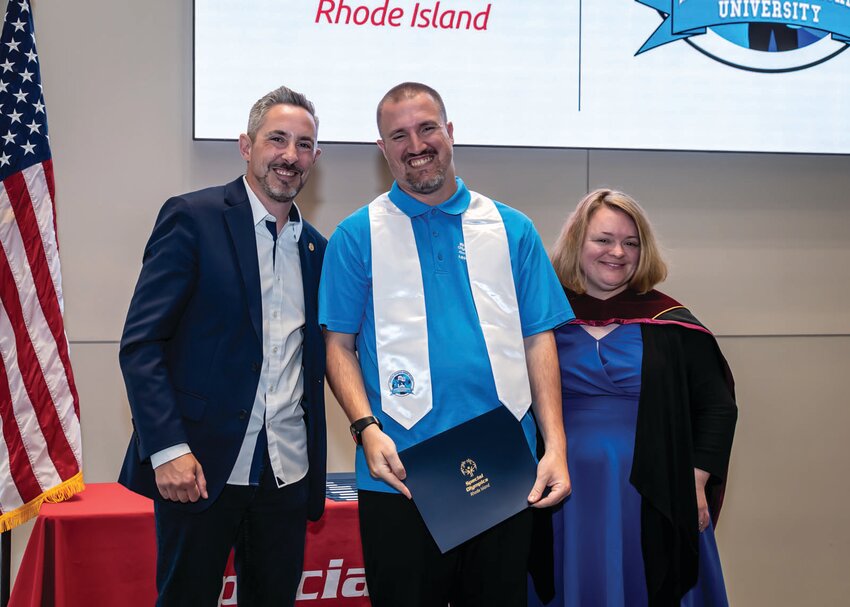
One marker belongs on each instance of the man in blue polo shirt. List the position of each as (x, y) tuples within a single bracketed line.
[(438, 305)]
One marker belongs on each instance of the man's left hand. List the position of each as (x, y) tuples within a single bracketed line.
[(552, 473)]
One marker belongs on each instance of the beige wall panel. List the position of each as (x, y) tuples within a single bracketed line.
[(104, 412), (544, 184), (340, 445), (757, 242), (348, 177), (745, 290), (117, 85), (783, 536), (20, 536)]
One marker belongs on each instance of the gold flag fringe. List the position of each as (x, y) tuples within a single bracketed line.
[(59, 493)]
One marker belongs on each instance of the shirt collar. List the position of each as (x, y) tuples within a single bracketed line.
[(411, 207), (259, 213)]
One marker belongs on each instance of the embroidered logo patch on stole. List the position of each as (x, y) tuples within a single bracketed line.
[(401, 383)]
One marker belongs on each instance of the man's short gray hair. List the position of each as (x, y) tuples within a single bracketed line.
[(281, 95)]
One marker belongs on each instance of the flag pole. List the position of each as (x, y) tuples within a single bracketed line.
[(5, 567)]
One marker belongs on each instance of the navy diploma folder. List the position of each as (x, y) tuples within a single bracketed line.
[(471, 477)]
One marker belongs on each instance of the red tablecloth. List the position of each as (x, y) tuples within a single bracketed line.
[(99, 548)]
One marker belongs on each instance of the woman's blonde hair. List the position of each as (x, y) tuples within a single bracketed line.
[(566, 255)]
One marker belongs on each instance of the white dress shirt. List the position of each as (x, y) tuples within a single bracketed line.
[(277, 403)]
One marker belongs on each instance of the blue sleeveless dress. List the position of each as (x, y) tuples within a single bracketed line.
[(598, 559)]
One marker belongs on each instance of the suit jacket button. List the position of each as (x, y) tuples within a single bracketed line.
[(255, 367), (243, 414)]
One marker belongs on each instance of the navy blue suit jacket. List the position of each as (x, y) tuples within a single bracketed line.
[(192, 349)]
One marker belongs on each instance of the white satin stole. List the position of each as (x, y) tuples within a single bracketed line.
[(401, 328)]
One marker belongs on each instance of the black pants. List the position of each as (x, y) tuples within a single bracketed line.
[(404, 566), (265, 525)]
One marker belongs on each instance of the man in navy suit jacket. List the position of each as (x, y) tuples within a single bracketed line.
[(224, 361)]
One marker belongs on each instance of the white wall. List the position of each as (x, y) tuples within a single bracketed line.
[(757, 243)]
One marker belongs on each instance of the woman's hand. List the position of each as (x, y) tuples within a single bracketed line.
[(700, 479)]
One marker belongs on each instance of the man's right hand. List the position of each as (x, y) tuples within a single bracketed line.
[(382, 459), (181, 479)]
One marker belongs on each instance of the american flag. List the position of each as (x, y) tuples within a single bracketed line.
[(40, 446)]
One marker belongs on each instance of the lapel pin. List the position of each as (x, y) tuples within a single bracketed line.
[(310, 246)]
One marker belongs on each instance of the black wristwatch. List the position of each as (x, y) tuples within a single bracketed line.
[(361, 424)]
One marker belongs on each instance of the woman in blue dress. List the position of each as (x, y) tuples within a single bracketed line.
[(649, 412)]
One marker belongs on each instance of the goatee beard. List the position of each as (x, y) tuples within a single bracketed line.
[(428, 186), (280, 195)]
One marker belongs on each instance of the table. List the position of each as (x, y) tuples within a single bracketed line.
[(99, 548)]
